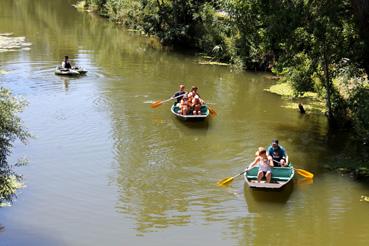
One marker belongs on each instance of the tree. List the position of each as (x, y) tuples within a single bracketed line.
[(360, 9), (10, 129)]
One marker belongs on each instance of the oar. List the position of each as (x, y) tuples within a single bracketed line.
[(302, 172), (229, 179), (159, 102), (212, 111)]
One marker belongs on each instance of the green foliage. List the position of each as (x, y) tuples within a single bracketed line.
[(353, 86), (300, 75), (10, 129), (359, 105)]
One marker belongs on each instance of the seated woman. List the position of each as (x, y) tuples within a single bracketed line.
[(196, 105), (184, 105), (265, 164)]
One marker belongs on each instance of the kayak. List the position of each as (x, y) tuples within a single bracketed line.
[(281, 176), (70, 72), (204, 114)]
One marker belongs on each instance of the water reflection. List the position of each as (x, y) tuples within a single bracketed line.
[(259, 199), (203, 126)]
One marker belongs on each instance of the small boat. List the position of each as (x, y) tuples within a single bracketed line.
[(281, 176), (190, 117), (74, 71)]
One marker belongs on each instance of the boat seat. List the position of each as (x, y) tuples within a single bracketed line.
[(204, 109)]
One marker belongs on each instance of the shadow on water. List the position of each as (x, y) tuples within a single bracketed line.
[(193, 124), (257, 199)]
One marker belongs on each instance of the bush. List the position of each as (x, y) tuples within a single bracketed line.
[(10, 129)]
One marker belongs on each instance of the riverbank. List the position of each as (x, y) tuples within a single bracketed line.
[(313, 104), (310, 101)]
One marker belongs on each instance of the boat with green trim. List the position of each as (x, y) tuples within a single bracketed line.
[(204, 114), (281, 176), (75, 71)]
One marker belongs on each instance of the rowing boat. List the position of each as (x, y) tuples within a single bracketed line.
[(204, 114), (281, 176), (70, 72)]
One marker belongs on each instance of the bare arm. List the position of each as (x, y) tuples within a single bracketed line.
[(270, 161), (252, 164)]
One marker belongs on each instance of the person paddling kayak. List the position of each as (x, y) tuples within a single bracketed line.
[(66, 64)]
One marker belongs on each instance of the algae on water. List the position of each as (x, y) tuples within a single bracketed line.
[(310, 100)]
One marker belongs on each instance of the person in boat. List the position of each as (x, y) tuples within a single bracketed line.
[(66, 64), (265, 164), (196, 105), (184, 105), (179, 94), (193, 93), (278, 154)]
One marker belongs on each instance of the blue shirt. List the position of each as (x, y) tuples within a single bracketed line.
[(277, 154), (178, 93)]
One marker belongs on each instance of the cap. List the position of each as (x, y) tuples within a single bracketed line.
[(275, 141)]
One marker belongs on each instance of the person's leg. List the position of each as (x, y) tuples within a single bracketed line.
[(283, 163), (268, 176), (260, 176)]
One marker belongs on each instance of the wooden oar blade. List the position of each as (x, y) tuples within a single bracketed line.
[(225, 181), (305, 173), (212, 112), (156, 104)]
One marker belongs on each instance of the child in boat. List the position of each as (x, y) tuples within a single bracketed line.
[(196, 104), (265, 164), (185, 107)]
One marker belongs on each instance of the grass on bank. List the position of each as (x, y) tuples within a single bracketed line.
[(310, 100)]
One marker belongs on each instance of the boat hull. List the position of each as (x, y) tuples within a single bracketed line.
[(70, 72), (281, 176), (204, 114)]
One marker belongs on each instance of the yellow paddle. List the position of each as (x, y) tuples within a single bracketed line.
[(229, 179), (304, 173), (160, 102)]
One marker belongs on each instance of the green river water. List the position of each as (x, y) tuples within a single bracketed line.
[(106, 169)]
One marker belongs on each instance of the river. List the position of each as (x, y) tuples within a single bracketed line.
[(105, 168)]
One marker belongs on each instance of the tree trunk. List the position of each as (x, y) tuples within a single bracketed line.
[(361, 13), (328, 86)]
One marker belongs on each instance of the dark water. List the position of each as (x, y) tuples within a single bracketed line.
[(105, 168)]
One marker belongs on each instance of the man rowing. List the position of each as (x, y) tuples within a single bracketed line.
[(278, 153), (179, 94)]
